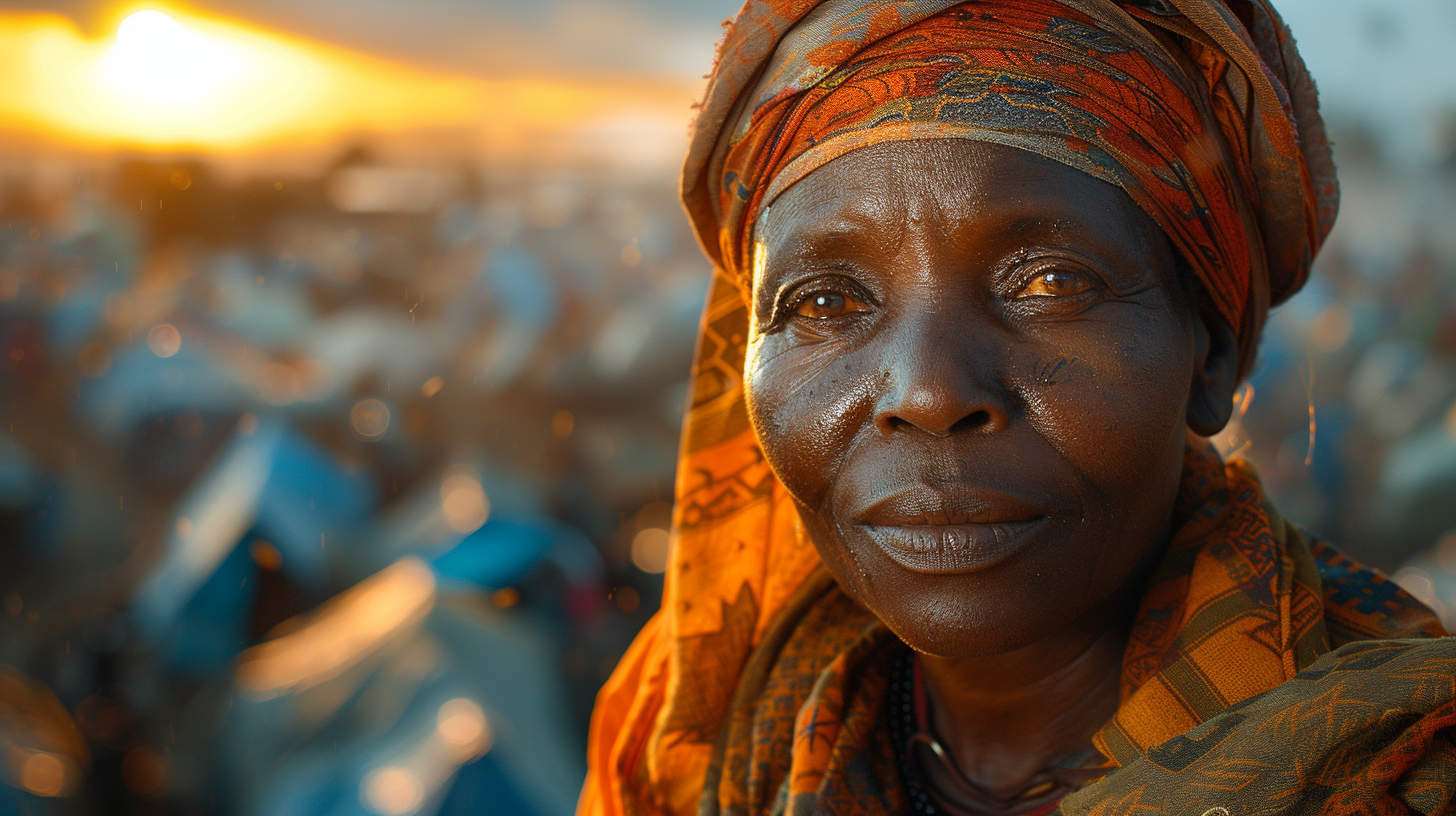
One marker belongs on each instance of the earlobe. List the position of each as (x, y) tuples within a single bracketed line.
[(1215, 374)]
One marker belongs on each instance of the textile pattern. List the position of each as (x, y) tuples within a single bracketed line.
[(1201, 111), (783, 713), (758, 687)]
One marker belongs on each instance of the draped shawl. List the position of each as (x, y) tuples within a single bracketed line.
[(759, 686)]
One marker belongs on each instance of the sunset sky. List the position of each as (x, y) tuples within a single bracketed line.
[(635, 37), (271, 71), (170, 77)]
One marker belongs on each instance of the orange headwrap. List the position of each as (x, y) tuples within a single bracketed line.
[(1201, 111)]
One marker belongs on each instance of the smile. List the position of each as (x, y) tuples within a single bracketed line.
[(949, 549)]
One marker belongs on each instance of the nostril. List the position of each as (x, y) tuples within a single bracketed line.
[(895, 423), (972, 421)]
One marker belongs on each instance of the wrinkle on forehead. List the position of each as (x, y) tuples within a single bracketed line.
[(884, 190)]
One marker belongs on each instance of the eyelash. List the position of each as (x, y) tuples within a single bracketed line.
[(789, 304), (1030, 273)]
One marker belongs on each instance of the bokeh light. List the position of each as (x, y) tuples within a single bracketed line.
[(143, 771), (650, 549), (392, 791), (369, 418), (43, 774), (463, 499), (462, 726), (341, 633), (164, 340)]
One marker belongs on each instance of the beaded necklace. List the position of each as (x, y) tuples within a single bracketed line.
[(910, 730)]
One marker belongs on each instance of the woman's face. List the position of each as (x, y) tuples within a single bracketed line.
[(972, 367)]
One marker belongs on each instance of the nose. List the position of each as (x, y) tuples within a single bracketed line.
[(939, 380)]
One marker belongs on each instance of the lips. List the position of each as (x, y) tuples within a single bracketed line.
[(950, 532)]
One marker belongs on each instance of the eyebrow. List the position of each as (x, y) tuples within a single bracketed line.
[(843, 238), (1026, 224), (842, 228)]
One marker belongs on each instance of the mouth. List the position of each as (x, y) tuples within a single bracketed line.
[(951, 549), (936, 534)]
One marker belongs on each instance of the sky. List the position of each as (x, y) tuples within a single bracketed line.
[(1339, 37), (618, 37), (1388, 62), (269, 78)]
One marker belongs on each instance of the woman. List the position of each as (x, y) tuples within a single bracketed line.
[(949, 535)]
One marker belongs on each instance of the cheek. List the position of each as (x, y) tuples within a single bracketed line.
[(1113, 399), (807, 403)]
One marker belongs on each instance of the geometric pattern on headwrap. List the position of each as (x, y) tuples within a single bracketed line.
[(759, 687), (1201, 111), (739, 558)]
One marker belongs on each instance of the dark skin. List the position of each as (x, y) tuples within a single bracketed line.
[(973, 368)]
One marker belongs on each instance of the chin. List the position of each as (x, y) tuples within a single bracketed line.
[(960, 616)]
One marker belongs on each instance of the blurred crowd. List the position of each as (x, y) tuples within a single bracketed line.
[(1350, 413), (343, 493), (326, 495)]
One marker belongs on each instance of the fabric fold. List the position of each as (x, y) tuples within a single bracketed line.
[(1202, 111), (758, 687), (1241, 605)]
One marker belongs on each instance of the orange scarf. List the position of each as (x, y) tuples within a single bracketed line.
[(1200, 110), (759, 680), (758, 686)]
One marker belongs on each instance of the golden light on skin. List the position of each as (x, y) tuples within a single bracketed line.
[(166, 79), (760, 254)]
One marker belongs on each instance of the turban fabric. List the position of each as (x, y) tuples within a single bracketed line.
[(1201, 111), (758, 687)]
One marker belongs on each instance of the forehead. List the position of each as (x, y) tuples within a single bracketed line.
[(954, 184)]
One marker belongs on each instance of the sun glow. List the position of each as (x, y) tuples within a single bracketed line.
[(165, 79), (160, 62)]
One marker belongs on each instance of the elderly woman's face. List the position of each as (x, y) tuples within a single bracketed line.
[(972, 368)]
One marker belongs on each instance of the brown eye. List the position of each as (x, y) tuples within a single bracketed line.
[(824, 305), (1057, 283)]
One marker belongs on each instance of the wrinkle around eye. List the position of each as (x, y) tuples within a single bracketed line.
[(773, 356), (792, 296)]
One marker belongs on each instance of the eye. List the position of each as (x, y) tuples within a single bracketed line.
[(1057, 283), (826, 304)]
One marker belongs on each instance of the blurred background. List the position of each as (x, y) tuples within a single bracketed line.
[(343, 353)]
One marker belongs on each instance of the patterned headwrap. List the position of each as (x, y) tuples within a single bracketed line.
[(758, 687), (1201, 110)]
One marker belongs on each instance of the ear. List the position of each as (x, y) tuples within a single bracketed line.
[(1215, 373)]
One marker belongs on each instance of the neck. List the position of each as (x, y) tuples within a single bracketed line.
[(1003, 718)]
